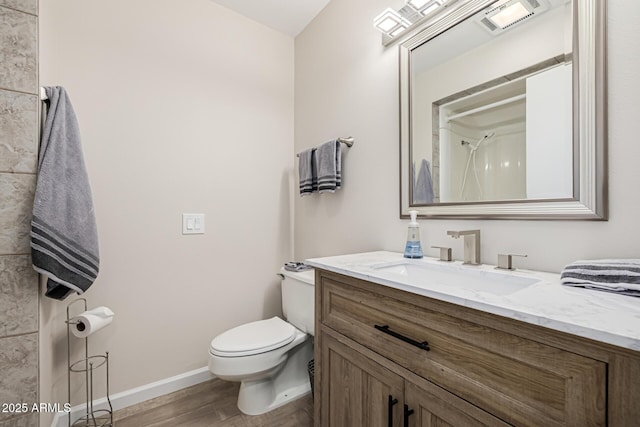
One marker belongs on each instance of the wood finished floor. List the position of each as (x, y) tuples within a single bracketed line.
[(210, 404)]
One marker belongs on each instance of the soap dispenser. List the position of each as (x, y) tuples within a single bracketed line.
[(414, 247)]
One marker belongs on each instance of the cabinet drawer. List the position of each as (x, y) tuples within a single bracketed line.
[(519, 380)]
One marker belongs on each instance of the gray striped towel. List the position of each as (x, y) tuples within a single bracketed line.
[(296, 266), (328, 159), (307, 172), (64, 237), (621, 276)]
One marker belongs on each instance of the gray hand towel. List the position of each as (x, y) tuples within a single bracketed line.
[(423, 186), (64, 237), (329, 167), (307, 172)]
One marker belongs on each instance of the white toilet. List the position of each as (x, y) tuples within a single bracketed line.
[(270, 357)]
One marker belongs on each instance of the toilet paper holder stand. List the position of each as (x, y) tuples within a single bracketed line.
[(94, 416)]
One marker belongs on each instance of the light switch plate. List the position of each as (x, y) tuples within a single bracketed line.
[(192, 223)]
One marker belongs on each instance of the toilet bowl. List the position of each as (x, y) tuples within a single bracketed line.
[(269, 357)]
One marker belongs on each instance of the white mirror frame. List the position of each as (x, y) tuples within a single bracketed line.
[(589, 124)]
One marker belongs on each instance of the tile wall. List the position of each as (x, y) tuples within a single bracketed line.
[(18, 154)]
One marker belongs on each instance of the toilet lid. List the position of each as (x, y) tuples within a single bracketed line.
[(253, 338)]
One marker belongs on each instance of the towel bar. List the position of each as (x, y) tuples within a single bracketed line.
[(348, 141)]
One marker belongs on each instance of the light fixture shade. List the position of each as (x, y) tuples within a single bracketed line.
[(425, 6), (509, 13), (398, 30), (391, 22)]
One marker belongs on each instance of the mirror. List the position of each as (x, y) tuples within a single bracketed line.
[(505, 118)]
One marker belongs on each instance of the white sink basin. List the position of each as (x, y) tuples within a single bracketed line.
[(473, 278)]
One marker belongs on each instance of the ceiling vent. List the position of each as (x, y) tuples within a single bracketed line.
[(507, 14)]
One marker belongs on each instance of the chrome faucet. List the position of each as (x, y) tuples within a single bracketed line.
[(471, 244)]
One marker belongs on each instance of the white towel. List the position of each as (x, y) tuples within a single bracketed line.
[(614, 275), (329, 167), (307, 172)]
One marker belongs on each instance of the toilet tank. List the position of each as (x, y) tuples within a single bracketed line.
[(298, 296)]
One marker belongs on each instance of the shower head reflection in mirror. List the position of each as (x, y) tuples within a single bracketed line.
[(472, 155)]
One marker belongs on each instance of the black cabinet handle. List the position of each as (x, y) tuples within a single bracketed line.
[(422, 345), (407, 413), (392, 402)]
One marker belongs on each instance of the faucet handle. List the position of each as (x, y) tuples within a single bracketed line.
[(505, 261), (445, 253)]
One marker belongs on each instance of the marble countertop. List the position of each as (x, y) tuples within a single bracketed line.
[(601, 316)]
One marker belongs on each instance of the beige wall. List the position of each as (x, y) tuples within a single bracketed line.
[(183, 107), (347, 84), (174, 110), (18, 150)]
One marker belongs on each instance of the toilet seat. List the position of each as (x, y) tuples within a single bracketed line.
[(253, 338)]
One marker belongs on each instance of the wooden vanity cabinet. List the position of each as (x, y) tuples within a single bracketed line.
[(358, 391), (385, 357)]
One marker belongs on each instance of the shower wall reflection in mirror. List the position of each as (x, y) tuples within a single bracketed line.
[(499, 125)]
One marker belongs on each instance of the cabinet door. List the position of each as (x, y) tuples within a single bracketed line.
[(356, 391), (435, 407)]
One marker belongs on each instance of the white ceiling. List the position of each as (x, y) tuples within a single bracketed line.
[(287, 16)]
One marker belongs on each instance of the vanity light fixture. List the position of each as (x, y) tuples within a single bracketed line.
[(391, 22), (509, 13)]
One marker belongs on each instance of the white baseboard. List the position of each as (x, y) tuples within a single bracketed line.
[(137, 395)]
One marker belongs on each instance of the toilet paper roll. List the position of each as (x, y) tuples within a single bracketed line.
[(91, 321)]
